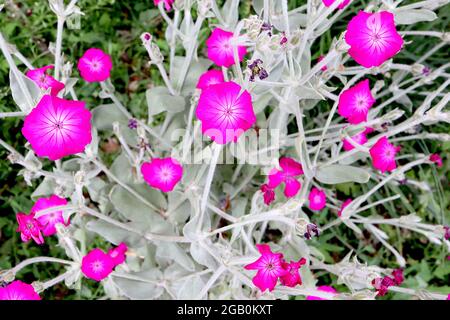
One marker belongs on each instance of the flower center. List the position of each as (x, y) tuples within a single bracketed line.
[(96, 65), (97, 266), (30, 225), (166, 174), (58, 125)]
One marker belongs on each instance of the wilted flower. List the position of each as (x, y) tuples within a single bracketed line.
[(436, 159), (18, 290), (382, 285), (311, 229), (290, 169), (355, 102), (209, 78), (225, 112), (373, 38), (292, 277), (256, 70), (269, 267), (95, 65), (162, 174), (383, 155), (56, 128), (97, 265), (397, 275), (49, 220), (268, 193), (29, 228), (117, 254), (132, 124), (220, 48), (45, 81)]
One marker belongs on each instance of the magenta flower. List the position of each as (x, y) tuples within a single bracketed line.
[(209, 78), (382, 285), (29, 228), (268, 194), (344, 205), (162, 174), (48, 221), (117, 254), (292, 277), (324, 289), (397, 276), (45, 81), (167, 3), (57, 128), (372, 38), (220, 48), (360, 138), (383, 155), (355, 102), (18, 290), (290, 169), (95, 65), (269, 267), (97, 265), (436, 159), (317, 199), (225, 112), (328, 3)]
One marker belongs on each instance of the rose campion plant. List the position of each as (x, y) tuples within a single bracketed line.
[(230, 181)]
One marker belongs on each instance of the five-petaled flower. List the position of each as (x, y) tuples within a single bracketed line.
[(95, 65), (29, 228), (225, 112), (355, 102), (18, 290), (373, 38), (221, 48), (290, 170), (97, 265), (45, 81), (56, 128), (162, 174), (383, 155), (49, 220), (269, 266), (317, 199)]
